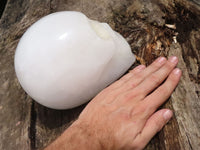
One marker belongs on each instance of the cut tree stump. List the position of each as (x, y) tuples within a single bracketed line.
[(25, 124)]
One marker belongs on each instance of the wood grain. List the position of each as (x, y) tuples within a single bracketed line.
[(24, 124)]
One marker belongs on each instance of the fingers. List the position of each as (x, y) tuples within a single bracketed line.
[(153, 125), (126, 77), (159, 62), (161, 94), (132, 73), (151, 103), (156, 78), (141, 80), (117, 88), (138, 78), (135, 76)]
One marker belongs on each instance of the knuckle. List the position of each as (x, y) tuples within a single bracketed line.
[(136, 93), (129, 96), (131, 85), (169, 66), (164, 90), (156, 65), (144, 109), (133, 82), (154, 78), (141, 110), (158, 124), (172, 79)]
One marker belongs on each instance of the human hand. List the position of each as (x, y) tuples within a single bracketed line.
[(125, 115)]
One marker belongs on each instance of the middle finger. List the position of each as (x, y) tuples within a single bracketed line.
[(156, 78)]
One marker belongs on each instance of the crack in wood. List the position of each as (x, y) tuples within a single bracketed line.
[(188, 139), (32, 128), (2, 7)]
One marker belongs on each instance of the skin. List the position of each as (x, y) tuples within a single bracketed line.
[(124, 115)]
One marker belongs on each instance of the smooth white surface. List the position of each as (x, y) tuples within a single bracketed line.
[(65, 59)]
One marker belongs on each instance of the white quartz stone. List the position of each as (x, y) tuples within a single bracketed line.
[(64, 59)]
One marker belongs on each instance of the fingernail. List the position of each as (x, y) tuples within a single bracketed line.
[(161, 60), (173, 59), (167, 115), (177, 71)]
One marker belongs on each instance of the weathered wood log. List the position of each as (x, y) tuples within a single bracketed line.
[(24, 124)]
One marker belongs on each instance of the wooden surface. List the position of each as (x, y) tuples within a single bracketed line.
[(25, 125)]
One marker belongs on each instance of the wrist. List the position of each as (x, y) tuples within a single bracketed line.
[(76, 137), (79, 135), (97, 138)]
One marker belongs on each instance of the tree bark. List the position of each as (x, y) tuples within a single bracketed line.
[(25, 124)]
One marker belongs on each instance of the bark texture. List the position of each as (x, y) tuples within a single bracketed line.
[(24, 124)]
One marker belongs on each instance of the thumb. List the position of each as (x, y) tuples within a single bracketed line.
[(153, 125)]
